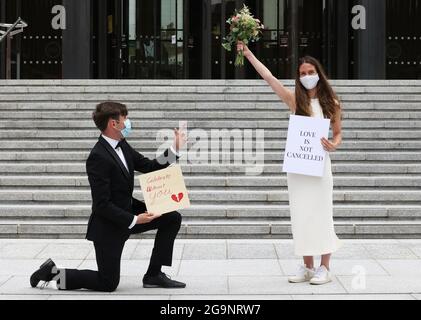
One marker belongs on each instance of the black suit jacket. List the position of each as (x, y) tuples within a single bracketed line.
[(113, 206)]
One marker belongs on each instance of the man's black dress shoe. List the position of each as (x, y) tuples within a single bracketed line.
[(161, 281), (44, 273)]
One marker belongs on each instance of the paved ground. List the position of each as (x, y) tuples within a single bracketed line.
[(223, 269)]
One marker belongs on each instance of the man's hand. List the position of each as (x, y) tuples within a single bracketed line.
[(180, 139), (147, 217)]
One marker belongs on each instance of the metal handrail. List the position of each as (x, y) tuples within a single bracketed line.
[(19, 24), (12, 29)]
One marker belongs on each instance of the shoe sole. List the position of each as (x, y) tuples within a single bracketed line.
[(297, 281), (33, 284), (157, 286), (150, 286), (320, 283)]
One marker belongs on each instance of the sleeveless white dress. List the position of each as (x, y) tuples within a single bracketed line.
[(311, 208)]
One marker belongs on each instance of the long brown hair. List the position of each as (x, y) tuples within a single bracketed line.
[(327, 97)]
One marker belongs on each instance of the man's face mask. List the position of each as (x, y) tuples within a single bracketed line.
[(128, 128)]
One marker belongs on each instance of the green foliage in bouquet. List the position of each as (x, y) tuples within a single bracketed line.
[(243, 27)]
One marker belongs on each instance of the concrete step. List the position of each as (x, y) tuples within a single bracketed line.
[(277, 106), (269, 156), (377, 172), (224, 168), (212, 124), (75, 182), (230, 195), (150, 145), (182, 96), (232, 211), (217, 228), (198, 82), (196, 88), (150, 134), (213, 115)]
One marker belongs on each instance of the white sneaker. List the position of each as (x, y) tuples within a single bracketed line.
[(321, 276), (303, 274)]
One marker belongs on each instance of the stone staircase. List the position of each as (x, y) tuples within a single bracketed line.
[(46, 133)]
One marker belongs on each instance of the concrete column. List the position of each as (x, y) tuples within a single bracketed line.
[(77, 40), (206, 41), (2, 44), (371, 42), (342, 39), (293, 52)]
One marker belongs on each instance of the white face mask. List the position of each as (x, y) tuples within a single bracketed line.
[(310, 82)]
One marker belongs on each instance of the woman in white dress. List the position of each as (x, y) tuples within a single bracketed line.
[(310, 198)]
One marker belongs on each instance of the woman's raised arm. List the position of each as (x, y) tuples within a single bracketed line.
[(285, 94)]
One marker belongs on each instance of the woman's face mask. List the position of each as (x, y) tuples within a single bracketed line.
[(310, 81)]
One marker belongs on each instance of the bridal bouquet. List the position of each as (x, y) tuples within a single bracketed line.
[(243, 27)]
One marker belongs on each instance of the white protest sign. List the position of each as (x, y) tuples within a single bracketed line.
[(304, 153)]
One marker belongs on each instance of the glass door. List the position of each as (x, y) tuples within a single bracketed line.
[(193, 30), (140, 60), (274, 48), (403, 42), (217, 63), (37, 52), (221, 60), (171, 39), (144, 39), (293, 29)]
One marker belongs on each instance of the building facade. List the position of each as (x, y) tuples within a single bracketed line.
[(181, 39)]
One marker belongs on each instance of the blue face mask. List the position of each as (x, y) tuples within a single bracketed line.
[(128, 129)]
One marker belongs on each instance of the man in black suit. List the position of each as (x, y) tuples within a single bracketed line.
[(115, 213)]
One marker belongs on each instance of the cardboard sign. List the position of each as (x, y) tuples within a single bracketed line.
[(164, 190), (304, 153)]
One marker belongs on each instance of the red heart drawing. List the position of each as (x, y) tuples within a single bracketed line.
[(180, 196), (177, 199)]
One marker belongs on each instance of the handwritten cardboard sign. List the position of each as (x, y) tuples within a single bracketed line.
[(304, 153), (164, 190)]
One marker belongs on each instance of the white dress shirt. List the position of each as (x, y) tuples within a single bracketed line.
[(113, 143)]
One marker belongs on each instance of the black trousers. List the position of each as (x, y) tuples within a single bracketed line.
[(108, 256)]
